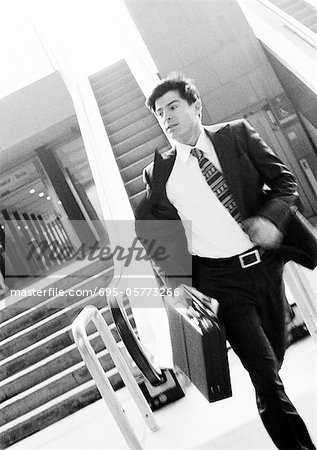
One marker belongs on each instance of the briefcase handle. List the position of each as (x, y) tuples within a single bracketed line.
[(200, 309)]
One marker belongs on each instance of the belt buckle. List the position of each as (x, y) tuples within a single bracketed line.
[(256, 260)]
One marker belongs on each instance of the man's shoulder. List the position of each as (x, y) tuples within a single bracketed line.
[(233, 124), (159, 155), (147, 172)]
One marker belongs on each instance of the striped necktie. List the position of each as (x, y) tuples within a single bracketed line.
[(217, 183)]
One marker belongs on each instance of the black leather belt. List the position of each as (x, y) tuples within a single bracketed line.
[(245, 260)]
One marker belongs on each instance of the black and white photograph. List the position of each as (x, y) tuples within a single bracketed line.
[(158, 224)]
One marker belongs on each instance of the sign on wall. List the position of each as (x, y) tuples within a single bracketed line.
[(19, 176)]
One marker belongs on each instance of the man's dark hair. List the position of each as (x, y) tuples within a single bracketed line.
[(175, 81)]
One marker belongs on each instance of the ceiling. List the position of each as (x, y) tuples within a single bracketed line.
[(65, 139)]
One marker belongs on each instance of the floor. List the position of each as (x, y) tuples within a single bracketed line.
[(191, 423)]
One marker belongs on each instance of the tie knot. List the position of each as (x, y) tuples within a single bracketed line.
[(196, 153)]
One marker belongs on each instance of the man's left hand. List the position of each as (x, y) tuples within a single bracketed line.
[(262, 232)]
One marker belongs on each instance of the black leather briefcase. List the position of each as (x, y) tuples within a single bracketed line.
[(200, 350)]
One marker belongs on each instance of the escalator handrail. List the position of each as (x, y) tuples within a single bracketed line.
[(291, 22), (154, 375)]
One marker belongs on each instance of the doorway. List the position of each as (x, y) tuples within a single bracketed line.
[(263, 121)]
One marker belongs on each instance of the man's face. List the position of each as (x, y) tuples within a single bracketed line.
[(180, 120)]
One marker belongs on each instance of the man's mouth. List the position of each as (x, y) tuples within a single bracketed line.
[(170, 127)]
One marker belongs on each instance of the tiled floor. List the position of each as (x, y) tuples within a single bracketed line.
[(191, 423)]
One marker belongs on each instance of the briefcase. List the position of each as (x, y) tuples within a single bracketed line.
[(200, 350)]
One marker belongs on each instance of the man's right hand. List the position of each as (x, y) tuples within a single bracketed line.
[(188, 294), (181, 296), (263, 232), (184, 294)]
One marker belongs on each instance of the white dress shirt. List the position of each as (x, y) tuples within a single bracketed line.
[(210, 229)]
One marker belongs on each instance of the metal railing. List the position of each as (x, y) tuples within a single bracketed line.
[(300, 282), (292, 24), (91, 314)]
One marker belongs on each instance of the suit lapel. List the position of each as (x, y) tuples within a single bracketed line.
[(163, 165), (224, 147)]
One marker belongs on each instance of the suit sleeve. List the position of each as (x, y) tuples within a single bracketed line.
[(283, 193), (161, 240), (164, 240)]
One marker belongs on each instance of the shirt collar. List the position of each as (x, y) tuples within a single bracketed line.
[(204, 144)]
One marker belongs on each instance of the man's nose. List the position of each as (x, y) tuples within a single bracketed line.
[(167, 115)]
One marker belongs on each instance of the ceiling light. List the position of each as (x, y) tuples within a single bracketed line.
[(41, 194), (48, 198), (31, 191)]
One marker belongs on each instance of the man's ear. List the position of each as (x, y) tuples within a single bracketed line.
[(198, 107)]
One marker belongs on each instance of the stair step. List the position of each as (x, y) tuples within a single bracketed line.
[(51, 365), (294, 8), (300, 11), (46, 327), (127, 120), (137, 126), (142, 150), (59, 282), (137, 198), (108, 94), (112, 85), (133, 171), (106, 107), (54, 411), (42, 349), (306, 12), (134, 141), (49, 389), (307, 21), (107, 76), (53, 304), (310, 20), (41, 370), (25, 359), (312, 27), (110, 73), (123, 111), (135, 186), (46, 347), (285, 3)]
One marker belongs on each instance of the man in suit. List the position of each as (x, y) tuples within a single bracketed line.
[(209, 191)]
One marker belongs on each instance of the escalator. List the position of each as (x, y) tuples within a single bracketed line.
[(300, 10), (133, 131)]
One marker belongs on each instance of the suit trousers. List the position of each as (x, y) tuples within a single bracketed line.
[(252, 307)]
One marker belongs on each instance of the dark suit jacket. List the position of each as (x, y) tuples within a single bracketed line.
[(260, 183)]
